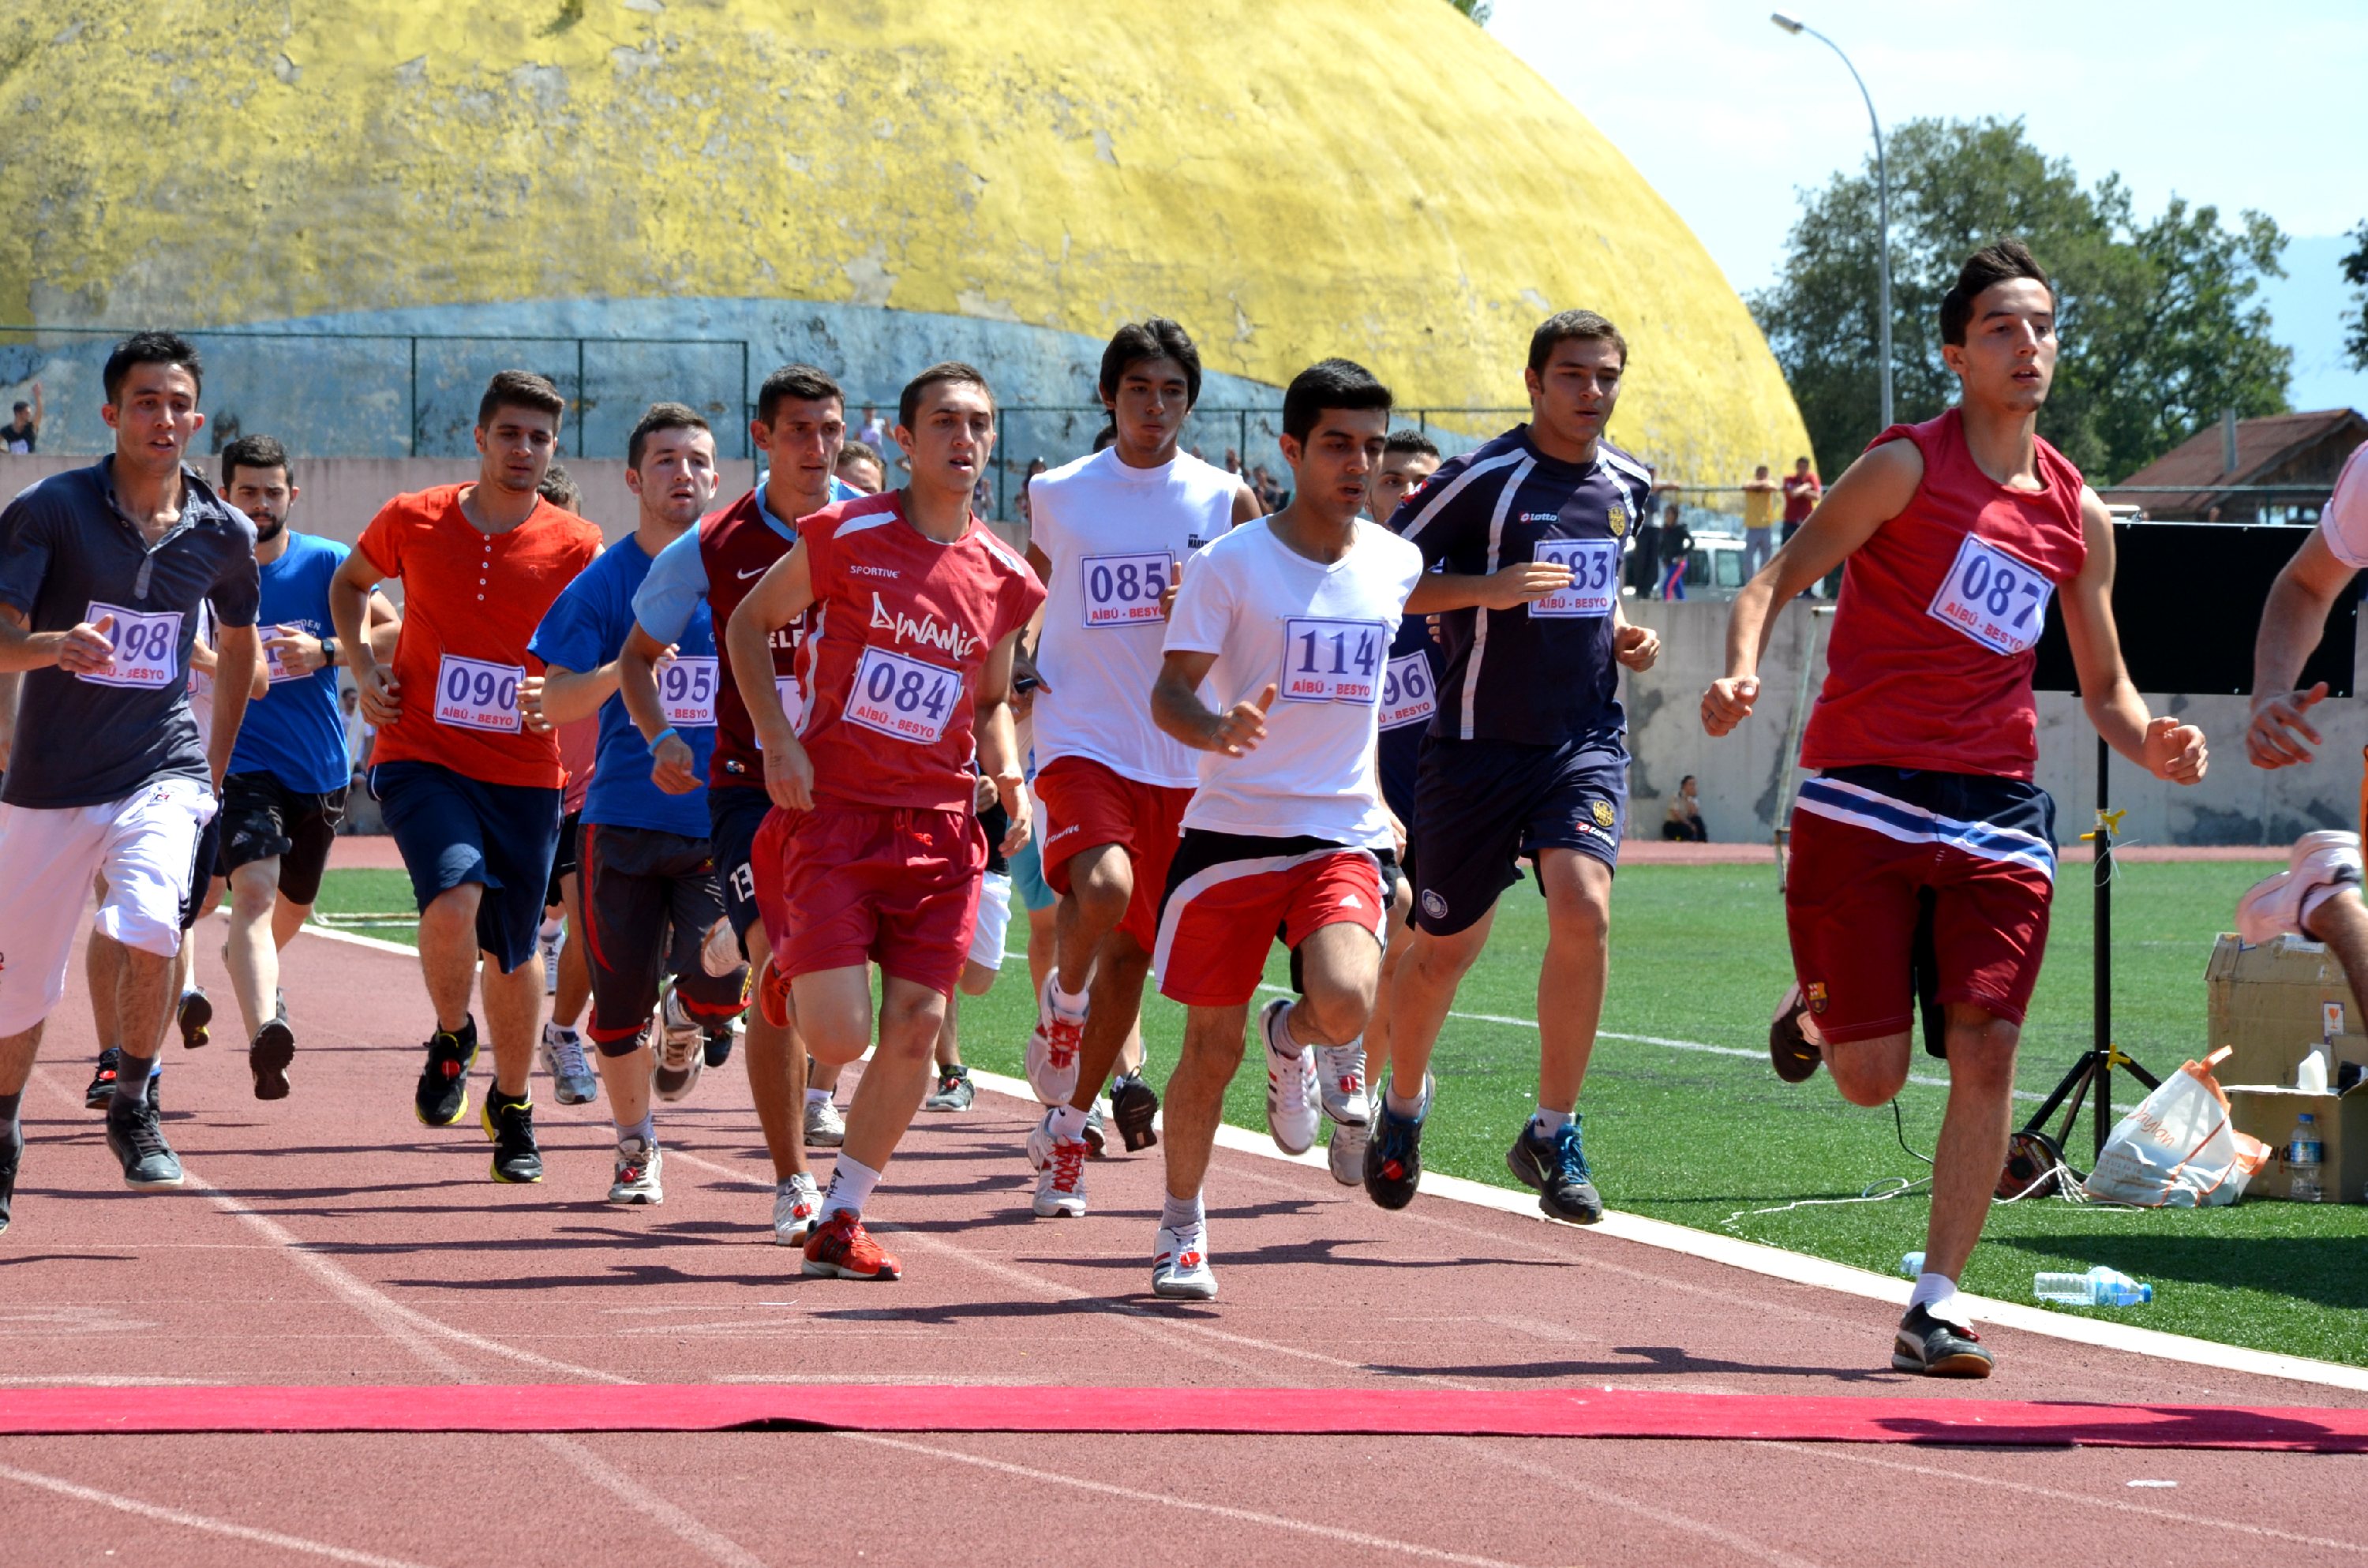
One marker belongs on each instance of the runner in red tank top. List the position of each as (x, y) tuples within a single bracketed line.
[(1923, 856), (873, 853)]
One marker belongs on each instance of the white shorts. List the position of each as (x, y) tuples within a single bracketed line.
[(994, 920), (145, 843)]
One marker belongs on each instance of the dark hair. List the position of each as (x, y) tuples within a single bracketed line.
[(660, 416), (1329, 383), (560, 490), (256, 452), (868, 452), (22, 407), (148, 348), (1153, 338), (1107, 437), (801, 383), (1582, 326), (519, 389), (2000, 261), (947, 372), (1404, 440)]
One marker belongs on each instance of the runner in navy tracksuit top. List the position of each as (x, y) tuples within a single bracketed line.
[(1526, 753)]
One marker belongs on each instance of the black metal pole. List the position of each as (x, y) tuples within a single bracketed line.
[(2103, 941)]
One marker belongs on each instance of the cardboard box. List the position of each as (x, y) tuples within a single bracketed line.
[(2268, 1113), (2271, 1004)]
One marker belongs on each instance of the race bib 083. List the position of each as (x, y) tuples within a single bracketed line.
[(687, 691), (1594, 577), (903, 698), (1325, 659), (476, 694), (1996, 600), (147, 647), (1407, 694), (1123, 590)]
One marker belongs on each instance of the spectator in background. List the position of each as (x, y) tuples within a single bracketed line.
[(1233, 461), (560, 490), (1801, 492), (1683, 824), (1677, 546), (360, 733), (1035, 467), (860, 468), (1759, 521), (874, 433), (23, 431), (1644, 557)]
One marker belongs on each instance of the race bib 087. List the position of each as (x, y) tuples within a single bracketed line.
[(147, 647), (687, 691), (476, 694), (1594, 577), (1407, 697), (1123, 590), (903, 698), (1996, 600), (1325, 659)]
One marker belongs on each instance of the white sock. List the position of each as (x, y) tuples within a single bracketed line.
[(1399, 1105), (1068, 1123), (565, 1031), (1283, 1027), (850, 1187), (1183, 1215), (1068, 1003), (817, 1096), (1548, 1123), (645, 1129), (1937, 1294), (549, 932)]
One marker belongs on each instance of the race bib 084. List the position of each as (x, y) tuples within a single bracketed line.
[(687, 691), (476, 694), (147, 647), (903, 698), (1407, 694), (1123, 590), (1996, 600), (1594, 577), (1325, 659)]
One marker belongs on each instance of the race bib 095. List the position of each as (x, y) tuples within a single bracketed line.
[(1996, 600), (1594, 577), (147, 647), (1324, 660), (903, 698), (687, 691), (1123, 590), (476, 694)]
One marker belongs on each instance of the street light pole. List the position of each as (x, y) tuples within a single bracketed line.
[(1882, 196)]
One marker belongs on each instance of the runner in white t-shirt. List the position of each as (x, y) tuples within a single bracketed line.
[(1289, 622), (1107, 534)]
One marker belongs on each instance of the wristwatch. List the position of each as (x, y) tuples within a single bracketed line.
[(329, 653)]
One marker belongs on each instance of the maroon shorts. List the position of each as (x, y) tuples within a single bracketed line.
[(1230, 895), (1087, 804), (1873, 849), (839, 886)]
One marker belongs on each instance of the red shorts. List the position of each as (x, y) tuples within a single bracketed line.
[(841, 885), (1865, 862), (1087, 804), (1229, 895)]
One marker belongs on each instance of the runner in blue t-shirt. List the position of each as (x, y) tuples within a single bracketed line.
[(650, 897), (1527, 755), (285, 792)]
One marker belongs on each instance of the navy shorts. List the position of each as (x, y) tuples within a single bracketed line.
[(454, 830), (1481, 806), (735, 812)]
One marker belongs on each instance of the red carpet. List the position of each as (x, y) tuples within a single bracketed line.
[(1540, 1413)]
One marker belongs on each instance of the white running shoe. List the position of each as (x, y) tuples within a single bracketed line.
[(2275, 905), (1041, 1140), (797, 1208), (638, 1162), (720, 954), (825, 1129), (1061, 1183), (682, 1049), (1340, 1074), (1179, 1266), (1290, 1088), (1052, 1048), (1345, 1152), (573, 1080)]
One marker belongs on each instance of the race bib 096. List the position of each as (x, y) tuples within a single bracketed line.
[(1123, 590), (903, 698), (1996, 600), (1324, 660), (1407, 697), (147, 647), (687, 691), (476, 694), (1594, 577)]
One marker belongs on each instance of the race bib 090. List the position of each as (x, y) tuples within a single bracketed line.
[(1324, 660), (147, 647), (1594, 577), (687, 691), (1996, 600), (476, 694), (903, 698), (1407, 697), (1124, 590)]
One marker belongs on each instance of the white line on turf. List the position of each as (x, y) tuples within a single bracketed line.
[(202, 1522)]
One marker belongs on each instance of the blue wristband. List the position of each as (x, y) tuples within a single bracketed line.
[(662, 734)]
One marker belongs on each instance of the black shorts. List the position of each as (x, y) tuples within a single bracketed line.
[(735, 812), (265, 817), (453, 829), (565, 861), (1481, 806), (649, 901), (204, 867)]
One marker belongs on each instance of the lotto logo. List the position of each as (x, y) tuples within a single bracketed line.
[(1432, 904)]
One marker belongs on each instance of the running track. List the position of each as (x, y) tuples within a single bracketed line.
[(330, 1240)]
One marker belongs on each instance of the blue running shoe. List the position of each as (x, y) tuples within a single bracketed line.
[(1394, 1152), (1556, 1167)]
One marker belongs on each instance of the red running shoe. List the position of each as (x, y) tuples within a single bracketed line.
[(773, 996), (842, 1248)]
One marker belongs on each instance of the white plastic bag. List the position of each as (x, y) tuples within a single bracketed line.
[(2177, 1150)]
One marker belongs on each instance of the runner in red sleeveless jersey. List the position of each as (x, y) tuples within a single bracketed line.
[(1923, 855), (912, 611)]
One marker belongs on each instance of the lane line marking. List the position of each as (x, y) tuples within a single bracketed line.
[(205, 1523)]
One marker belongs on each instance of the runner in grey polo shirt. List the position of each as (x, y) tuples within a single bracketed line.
[(102, 571)]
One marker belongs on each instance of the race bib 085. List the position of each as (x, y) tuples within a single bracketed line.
[(476, 694), (1324, 660), (687, 691), (1996, 600), (147, 647), (1594, 577), (1123, 590), (903, 698), (1407, 694)]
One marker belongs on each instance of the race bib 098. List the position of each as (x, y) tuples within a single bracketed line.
[(1324, 660), (1594, 577), (1407, 697), (1996, 600), (903, 698), (476, 694), (1124, 590), (687, 691), (147, 647)]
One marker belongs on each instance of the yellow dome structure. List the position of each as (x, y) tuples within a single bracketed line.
[(898, 180)]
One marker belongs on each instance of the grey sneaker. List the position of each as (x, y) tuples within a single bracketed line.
[(573, 1080), (825, 1129), (135, 1136), (682, 1049), (638, 1162), (953, 1091)]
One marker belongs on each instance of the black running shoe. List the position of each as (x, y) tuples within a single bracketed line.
[(1133, 1104), (268, 1059), (135, 1138), (718, 1049), (194, 1015), (8, 1186), (954, 1091), (442, 1096), (1556, 1167), (1393, 1154), (1789, 1050), (101, 1092), (510, 1124), (1938, 1348)]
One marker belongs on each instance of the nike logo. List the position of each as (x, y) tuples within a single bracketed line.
[(760, 571)]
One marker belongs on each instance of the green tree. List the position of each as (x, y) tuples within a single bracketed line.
[(2160, 325), (1476, 9), (2355, 272)]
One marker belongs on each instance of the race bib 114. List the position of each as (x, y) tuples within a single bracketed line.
[(1124, 590), (476, 694), (1407, 697), (1992, 597), (1324, 660), (687, 691), (1594, 578), (903, 698), (147, 647)]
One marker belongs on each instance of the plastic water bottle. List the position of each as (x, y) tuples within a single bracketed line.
[(2305, 1153), (2101, 1286), (1911, 1265)]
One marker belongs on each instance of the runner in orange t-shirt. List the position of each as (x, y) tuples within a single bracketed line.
[(467, 769)]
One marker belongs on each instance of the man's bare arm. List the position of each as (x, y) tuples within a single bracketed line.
[(2292, 619)]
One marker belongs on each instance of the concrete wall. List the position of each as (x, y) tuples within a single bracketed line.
[(1739, 777)]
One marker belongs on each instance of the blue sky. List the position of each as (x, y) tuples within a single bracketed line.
[(2260, 106)]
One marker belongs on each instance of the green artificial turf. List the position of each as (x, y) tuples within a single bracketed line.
[(1711, 1141)]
